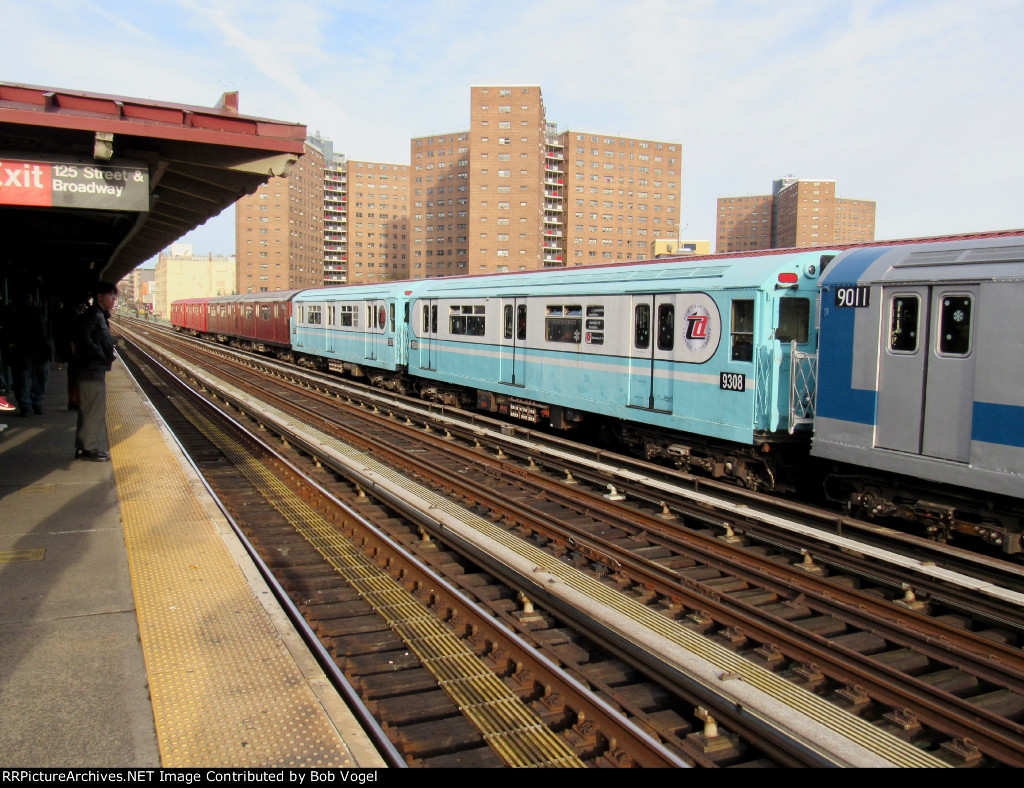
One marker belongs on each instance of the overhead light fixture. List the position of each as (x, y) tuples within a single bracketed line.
[(103, 148)]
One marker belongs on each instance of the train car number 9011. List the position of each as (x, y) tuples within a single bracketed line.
[(732, 381), (856, 297)]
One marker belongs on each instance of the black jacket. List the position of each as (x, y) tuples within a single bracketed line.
[(94, 346)]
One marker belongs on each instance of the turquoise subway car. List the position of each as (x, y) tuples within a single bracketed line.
[(902, 360)]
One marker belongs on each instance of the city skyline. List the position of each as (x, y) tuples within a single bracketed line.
[(511, 193), (909, 104)]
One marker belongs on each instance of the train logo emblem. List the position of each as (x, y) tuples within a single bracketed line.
[(699, 328)]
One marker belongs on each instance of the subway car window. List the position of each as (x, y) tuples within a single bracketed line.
[(955, 326), (642, 327), (563, 323), (666, 326), (467, 319), (507, 314), (521, 321), (794, 320), (743, 330), (903, 324)]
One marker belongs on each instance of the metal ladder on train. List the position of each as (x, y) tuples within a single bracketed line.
[(803, 382)]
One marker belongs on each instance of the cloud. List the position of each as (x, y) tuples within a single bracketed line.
[(911, 103)]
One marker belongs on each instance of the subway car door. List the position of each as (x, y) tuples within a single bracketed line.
[(926, 371), (330, 321), (376, 316), (427, 333), (513, 327), (652, 340)]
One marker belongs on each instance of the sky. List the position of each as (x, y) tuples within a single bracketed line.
[(915, 104)]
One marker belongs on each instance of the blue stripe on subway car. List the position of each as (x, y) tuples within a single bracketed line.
[(836, 398), (999, 424)]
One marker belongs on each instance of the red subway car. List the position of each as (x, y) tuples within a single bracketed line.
[(190, 315), (263, 320), (258, 321)]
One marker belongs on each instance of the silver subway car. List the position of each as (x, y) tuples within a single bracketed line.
[(921, 373)]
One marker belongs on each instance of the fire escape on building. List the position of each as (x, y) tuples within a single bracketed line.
[(554, 199)]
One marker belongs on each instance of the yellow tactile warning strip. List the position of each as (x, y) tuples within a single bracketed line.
[(37, 489), (225, 690), (510, 727), (840, 731)]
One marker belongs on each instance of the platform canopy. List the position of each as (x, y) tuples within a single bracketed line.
[(93, 185)]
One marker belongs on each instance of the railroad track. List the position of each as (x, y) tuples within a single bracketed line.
[(450, 685), (791, 625), (763, 520)]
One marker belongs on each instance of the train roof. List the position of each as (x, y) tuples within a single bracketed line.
[(369, 290), (697, 272), (961, 259), (273, 295)]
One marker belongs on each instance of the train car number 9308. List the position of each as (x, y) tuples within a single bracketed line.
[(732, 381)]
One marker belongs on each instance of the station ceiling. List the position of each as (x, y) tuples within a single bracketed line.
[(93, 185)]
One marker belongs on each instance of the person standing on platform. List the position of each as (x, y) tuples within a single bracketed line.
[(30, 356), (67, 321), (5, 406), (94, 356)]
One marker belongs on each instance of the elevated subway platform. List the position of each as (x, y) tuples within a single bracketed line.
[(134, 630)]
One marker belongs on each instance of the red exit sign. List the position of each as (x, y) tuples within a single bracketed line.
[(114, 187)]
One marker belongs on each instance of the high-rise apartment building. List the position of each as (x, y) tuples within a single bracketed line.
[(335, 212), (513, 194), (799, 212), (378, 221), (366, 212), (330, 221), (439, 212), (622, 195), (279, 229)]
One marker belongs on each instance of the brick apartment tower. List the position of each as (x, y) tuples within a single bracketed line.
[(799, 213), (335, 212), (440, 207), (378, 222), (513, 194), (622, 195), (509, 194), (279, 230), (366, 218)]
